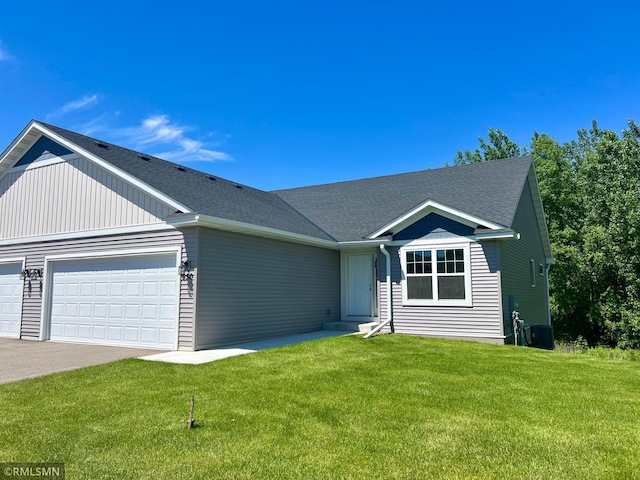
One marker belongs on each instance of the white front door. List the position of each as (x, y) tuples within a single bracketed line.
[(126, 301), (360, 285), (10, 299)]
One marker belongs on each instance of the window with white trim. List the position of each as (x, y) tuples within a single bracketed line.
[(436, 275)]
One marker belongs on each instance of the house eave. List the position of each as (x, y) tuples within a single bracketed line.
[(497, 235), (208, 221), (359, 244)]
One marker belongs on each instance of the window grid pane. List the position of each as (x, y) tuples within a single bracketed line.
[(450, 261), (419, 262)]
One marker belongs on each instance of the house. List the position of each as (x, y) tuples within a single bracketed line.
[(102, 244)]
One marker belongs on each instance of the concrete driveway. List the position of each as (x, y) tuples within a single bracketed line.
[(21, 359)]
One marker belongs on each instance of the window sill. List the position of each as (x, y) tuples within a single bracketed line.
[(437, 303)]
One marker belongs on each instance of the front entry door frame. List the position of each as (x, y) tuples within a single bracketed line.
[(357, 265)]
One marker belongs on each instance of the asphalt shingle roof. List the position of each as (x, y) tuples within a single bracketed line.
[(196, 190), (353, 210), (344, 211)]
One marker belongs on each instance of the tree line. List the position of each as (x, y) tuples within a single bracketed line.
[(590, 188)]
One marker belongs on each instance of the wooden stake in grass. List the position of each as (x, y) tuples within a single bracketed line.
[(191, 420)]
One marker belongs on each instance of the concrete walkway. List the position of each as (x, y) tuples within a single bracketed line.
[(205, 356)]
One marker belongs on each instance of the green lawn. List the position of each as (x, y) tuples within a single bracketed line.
[(389, 407)]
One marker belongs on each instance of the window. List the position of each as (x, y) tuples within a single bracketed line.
[(419, 275), (436, 276)]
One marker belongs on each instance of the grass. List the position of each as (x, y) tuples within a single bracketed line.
[(389, 407), (581, 347)]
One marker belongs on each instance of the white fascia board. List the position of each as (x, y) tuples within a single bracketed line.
[(249, 229), (497, 236), (431, 206), (26, 139), (113, 169), (151, 227), (363, 244)]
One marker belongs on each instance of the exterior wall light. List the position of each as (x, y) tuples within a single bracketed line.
[(31, 273), (186, 271)]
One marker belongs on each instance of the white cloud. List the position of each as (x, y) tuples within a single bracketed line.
[(159, 131), (4, 55), (83, 103)]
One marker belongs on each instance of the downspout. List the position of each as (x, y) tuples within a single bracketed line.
[(389, 320), (546, 279)]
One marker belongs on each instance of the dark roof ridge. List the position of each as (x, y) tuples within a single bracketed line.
[(398, 175)]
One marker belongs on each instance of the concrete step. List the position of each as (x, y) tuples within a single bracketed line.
[(350, 326)]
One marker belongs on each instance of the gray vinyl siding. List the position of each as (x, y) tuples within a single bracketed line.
[(70, 196), (251, 288), (481, 321), (35, 254), (515, 263)]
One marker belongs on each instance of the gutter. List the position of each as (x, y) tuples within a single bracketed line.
[(389, 319)]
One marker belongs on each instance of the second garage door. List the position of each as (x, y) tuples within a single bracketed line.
[(124, 301), (10, 299)]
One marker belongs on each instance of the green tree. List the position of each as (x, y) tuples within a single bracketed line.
[(590, 189), (499, 146)]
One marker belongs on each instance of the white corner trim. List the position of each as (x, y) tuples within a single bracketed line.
[(113, 169), (431, 206), (249, 229), (151, 227)]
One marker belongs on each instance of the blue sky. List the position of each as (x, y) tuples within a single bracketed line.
[(281, 94)]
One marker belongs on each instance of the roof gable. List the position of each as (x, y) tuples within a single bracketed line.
[(43, 149), (187, 190), (434, 225), (46, 194), (486, 193)]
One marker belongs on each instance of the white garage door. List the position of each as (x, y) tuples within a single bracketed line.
[(125, 301), (10, 299)]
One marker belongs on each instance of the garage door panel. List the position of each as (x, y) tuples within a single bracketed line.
[(11, 286), (129, 301), (84, 331), (99, 332)]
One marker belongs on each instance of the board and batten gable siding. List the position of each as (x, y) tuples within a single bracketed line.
[(515, 265), (36, 252), (71, 195), (482, 321), (250, 288)]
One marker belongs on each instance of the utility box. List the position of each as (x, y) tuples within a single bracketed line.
[(544, 336)]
